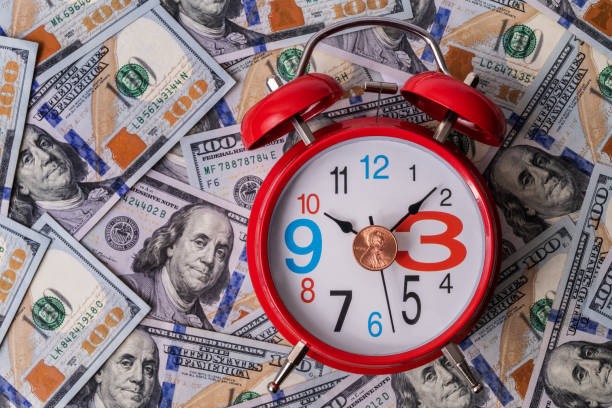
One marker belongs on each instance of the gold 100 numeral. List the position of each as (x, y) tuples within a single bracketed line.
[(7, 92), (182, 104), (356, 7), (103, 13), (8, 277), (98, 334)]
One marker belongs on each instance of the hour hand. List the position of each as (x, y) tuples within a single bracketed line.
[(345, 226)]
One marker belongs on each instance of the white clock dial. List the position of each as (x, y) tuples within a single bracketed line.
[(441, 249)]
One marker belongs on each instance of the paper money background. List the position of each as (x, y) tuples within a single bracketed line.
[(127, 194)]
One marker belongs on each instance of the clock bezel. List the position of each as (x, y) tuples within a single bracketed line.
[(257, 245)]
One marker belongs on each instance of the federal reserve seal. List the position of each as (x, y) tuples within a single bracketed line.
[(121, 233), (132, 80), (604, 80), (245, 396), (245, 190), (48, 313), (287, 63), (519, 41), (538, 313)]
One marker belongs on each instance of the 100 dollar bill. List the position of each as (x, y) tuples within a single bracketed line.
[(505, 43), (75, 313), (573, 346), (17, 60), (200, 368), (589, 19), (136, 229), (21, 250), (509, 333), (61, 28), (109, 117), (553, 142), (258, 25), (252, 72), (295, 396), (598, 306), (218, 163)]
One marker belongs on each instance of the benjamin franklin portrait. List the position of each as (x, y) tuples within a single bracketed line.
[(577, 374), (49, 179), (533, 188), (128, 379), (435, 385), (184, 265), (389, 46), (208, 21)]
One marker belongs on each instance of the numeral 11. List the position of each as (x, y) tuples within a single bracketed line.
[(336, 173)]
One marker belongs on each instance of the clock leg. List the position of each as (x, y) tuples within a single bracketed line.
[(453, 353), (294, 358)]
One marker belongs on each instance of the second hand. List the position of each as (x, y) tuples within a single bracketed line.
[(382, 275)]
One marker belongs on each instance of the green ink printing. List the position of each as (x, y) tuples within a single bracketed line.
[(287, 63), (48, 313), (538, 314), (604, 80), (132, 80), (519, 41)]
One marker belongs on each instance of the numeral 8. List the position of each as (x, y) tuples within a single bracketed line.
[(307, 289)]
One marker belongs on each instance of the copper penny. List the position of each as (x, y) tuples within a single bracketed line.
[(375, 248)]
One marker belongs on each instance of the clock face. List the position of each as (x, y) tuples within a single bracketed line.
[(319, 269)]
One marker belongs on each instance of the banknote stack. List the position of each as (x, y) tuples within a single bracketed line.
[(122, 167)]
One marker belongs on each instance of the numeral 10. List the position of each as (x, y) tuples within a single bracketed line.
[(354, 7), (310, 203), (7, 92)]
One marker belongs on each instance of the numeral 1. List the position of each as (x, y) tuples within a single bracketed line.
[(336, 175)]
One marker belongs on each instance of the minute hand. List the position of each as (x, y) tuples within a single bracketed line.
[(413, 209)]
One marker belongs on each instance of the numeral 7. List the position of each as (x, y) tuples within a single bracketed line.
[(348, 296)]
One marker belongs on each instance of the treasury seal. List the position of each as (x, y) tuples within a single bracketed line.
[(287, 63), (121, 233), (519, 41), (132, 80), (48, 313), (245, 190), (604, 80), (245, 396), (538, 313)]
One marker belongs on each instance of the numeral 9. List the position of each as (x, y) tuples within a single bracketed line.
[(314, 247)]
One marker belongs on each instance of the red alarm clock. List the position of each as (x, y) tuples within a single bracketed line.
[(373, 245)]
